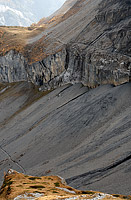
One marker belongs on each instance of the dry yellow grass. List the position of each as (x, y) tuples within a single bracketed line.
[(16, 38), (48, 187), (16, 184)]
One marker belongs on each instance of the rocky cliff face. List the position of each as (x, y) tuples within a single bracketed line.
[(96, 52), (67, 66), (12, 68), (79, 133)]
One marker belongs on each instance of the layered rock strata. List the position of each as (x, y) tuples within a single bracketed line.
[(67, 66), (98, 52)]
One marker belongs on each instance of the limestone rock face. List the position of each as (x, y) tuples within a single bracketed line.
[(93, 39), (75, 132), (97, 68), (48, 72), (67, 66), (12, 68)]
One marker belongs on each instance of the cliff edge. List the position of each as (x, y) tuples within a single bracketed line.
[(86, 41)]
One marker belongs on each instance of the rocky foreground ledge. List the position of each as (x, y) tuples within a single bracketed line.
[(18, 186)]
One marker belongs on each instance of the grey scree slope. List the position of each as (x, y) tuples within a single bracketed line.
[(80, 134)]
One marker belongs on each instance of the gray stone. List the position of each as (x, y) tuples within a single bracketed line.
[(97, 53), (78, 133)]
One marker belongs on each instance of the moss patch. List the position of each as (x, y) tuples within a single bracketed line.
[(57, 184)]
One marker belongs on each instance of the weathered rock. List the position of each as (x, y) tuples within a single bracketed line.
[(78, 133), (97, 53), (13, 68), (67, 66)]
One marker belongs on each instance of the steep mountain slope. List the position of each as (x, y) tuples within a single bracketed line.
[(80, 134), (90, 43), (77, 132), (26, 12), (59, 13)]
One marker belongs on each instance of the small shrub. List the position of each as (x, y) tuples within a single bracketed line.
[(9, 190), (50, 179), (45, 183), (34, 178), (37, 186), (55, 191), (1, 191), (126, 197), (57, 184), (7, 183)]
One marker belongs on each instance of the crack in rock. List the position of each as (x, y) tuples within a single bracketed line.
[(16, 163)]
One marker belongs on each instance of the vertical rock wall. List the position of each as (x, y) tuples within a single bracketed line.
[(67, 66)]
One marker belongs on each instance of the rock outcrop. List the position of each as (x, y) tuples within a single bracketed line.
[(67, 66), (79, 133), (97, 50), (18, 186), (12, 68)]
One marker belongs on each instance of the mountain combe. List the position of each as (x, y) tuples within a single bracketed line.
[(79, 125), (88, 43)]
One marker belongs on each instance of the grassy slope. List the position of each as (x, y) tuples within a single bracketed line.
[(16, 38), (16, 184)]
